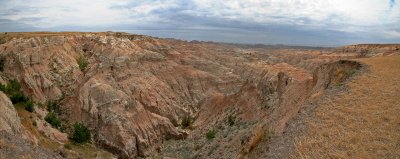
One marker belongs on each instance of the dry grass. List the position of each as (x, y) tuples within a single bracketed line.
[(361, 123), (260, 133)]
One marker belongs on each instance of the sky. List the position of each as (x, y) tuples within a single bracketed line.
[(291, 22)]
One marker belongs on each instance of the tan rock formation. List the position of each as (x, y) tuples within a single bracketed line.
[(9, 120)]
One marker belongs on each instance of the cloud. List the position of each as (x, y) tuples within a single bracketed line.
[(317, 13), (81, 13), (367, 21)]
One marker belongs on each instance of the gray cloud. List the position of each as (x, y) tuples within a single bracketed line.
[(310, 22), (13, 26)]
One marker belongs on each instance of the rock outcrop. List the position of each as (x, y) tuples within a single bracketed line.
[(9, 120), (13, 146)]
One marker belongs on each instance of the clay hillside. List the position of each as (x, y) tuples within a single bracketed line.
[(120, 95)]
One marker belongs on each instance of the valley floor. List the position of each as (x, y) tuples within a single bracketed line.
[(363, 122)]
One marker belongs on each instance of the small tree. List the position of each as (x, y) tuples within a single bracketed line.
[(29, 106), (81, 133), (53, 120), (82, 62)]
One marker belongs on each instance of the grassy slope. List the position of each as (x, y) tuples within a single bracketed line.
[(361, 123)]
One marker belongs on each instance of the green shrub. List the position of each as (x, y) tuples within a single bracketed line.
[(210, 134), (29, 106), (186, 121), (81, 133), (82, 62), (13, 90), (12, 87), (53, 119), (14, 84), (53, 107), (18, 97), (2, 87)]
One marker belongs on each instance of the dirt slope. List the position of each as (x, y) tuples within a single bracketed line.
[(363, 122)]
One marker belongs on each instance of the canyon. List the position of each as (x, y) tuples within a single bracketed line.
[(148, 97)]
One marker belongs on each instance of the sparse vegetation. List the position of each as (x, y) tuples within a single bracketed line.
[(268, 135), (29, 106), (231, 120), (82, 62), (53, 120), (2, 40), (151, 56), (13, 91), (344, 74), (339, 84), (40, 105), (186, 121), (68, 146), (350, 72), (81, 133), (12, 86), (2, 62), (52, 106), (52, 117), (210, 134), (265, 106)]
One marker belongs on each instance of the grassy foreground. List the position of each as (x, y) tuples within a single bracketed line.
[(363, 122)]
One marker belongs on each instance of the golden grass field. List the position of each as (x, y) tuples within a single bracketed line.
[(363, 122)]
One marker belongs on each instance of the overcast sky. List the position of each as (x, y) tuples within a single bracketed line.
[(299, 22)]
